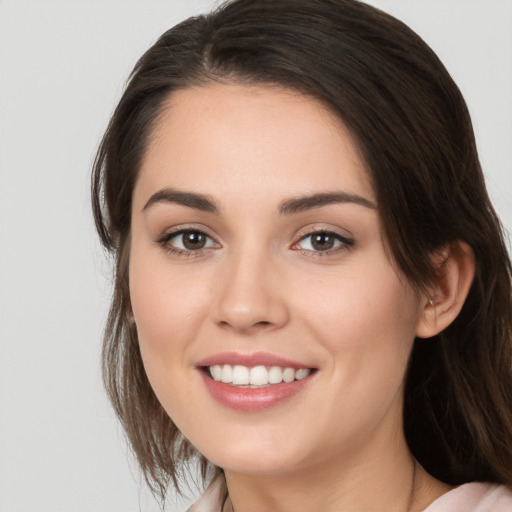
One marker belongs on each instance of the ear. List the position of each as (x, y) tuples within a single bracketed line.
[(442, 304)]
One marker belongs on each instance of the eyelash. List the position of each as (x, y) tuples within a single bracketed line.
[(165, 240), (344, 243)]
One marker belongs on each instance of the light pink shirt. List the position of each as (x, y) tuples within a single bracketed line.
[(472, 497)]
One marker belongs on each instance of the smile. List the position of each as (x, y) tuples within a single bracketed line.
[(256, 376), (253, 382)]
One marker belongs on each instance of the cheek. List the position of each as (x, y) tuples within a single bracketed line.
[(370, 298), (169, 309), (365, 323), (366, 320)]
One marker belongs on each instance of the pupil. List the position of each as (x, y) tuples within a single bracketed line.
[(194, 240), (322, 242)]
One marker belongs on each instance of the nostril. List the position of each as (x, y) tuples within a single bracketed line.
[(263, 324)]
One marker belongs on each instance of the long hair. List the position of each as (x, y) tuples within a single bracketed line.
[(414, 132)]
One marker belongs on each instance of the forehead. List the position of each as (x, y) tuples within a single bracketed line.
[(241, 139)]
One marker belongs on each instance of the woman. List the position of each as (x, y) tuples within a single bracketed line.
[(312, 290)]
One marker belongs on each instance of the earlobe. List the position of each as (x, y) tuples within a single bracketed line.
[(456, 269)]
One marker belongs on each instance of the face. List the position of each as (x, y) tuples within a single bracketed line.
[(274, 329)]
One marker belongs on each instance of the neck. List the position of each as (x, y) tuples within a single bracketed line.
[(380, 481)]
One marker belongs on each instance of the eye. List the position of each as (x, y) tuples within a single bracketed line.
[(323, 241), (187, 241)]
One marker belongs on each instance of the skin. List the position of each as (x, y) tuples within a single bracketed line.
[(260, 286)]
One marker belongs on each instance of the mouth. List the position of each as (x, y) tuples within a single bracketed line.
[(255, 377), (253, 382)]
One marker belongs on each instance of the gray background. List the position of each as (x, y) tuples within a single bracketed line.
[(62, 67)]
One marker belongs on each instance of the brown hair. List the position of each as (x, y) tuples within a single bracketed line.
[(414, 132)]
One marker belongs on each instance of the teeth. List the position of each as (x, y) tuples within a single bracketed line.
[(289, 375), (275, 375), (302, 373), (216, 372), (239, 375), (227, 374), (258, 376)]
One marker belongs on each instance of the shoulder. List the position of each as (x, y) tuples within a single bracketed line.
[(474, 497)]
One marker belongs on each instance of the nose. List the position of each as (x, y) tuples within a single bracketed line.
[(252, 297)]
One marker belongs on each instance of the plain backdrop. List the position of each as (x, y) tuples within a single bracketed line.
[(62, 67)]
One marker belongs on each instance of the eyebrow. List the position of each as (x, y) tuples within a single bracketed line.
[(301, 204), (191, 199), (288, 207)]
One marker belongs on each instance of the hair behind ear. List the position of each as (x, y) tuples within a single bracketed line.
[(458, 398)]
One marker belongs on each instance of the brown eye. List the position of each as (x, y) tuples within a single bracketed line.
[(187, 241), (193, 240), (323, 241)]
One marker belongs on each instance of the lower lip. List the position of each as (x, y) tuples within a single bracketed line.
[(253, 399)]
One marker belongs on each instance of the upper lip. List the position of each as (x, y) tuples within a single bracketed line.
[(250, 360)]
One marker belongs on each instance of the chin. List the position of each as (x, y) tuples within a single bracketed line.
[(256, 458)]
